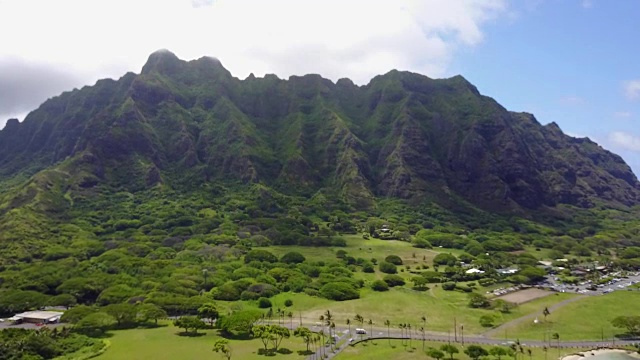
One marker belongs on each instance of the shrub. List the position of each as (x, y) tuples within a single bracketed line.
[(449, 286), (394, 259), (288, 303), (264, 303), (292, 258), (379, 285), (478, 301), (388, 268), (368, 267), (422, 244), (311, 292), (260, 255), (339, 291), (393, 280), (486, 321)]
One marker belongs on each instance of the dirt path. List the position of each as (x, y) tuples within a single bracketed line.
[(500, 329)]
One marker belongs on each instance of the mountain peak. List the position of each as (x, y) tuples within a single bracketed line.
[(162, 61)]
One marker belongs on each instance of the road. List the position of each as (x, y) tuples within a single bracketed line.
[(461, 340)]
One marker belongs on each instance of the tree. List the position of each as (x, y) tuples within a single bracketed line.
[(349, 325), (222, 346), (388, 325), (387, 268), (556, 337), (262, 332), (148, 312), (95, 324), (379, 285), (631, 323), (208, 311), (486, 320), (125, 314), (77, 313), (449, 349), (189, 322), (475, 352), (305, 334), (546, 313), (65, 300), (393, 280), (498, 351), (478, 301), (394, 259), (292, 257), (239, 322), (370, 322), (435, 353)]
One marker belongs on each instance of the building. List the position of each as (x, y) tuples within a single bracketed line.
[(37, 317), (474, 271)]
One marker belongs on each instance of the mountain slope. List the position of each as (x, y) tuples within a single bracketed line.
[(403, 135)]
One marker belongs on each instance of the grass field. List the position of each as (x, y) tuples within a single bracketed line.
[(164, 343), (382, 350), (407, 306), (589, 318), (367, 249)]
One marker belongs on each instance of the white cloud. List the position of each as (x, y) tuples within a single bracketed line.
[(622, 114), (625, 140), (356, 39), (632, 89)]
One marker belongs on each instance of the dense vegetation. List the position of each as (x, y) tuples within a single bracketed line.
[(162, 194)]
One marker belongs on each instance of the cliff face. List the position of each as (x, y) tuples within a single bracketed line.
[(402, 135)]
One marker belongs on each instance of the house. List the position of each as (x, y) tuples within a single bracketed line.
[(385, 229), (474, 271), (508, 271), (36, 317)]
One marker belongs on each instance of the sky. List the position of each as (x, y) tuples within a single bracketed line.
[(572, 62)]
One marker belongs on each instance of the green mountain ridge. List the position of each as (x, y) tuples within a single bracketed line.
[(403, 135)]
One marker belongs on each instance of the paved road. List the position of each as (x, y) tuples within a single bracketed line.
[(381, 334)]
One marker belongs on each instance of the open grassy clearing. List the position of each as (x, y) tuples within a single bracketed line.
[(407, 306), (164, 343), (589, 318), (396, 350), (367, 249)]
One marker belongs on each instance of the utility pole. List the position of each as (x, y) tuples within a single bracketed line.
[(455, 330)]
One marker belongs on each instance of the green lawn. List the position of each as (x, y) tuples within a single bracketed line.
[(406, 306), (588, 318), (396, 350), (164, 343)]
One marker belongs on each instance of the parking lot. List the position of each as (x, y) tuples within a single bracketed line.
[(588, 288)]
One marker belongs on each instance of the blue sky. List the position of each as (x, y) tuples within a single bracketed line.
[(566, 61), (575, 62)]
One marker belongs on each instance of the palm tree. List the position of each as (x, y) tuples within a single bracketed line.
[(530, 354), (402, 328), (409, 327), (359, 319), (545, 349), (332, 327), (388, 324), (423, 337), (555, 336), (290, 316), (349, 325), (370, 322)]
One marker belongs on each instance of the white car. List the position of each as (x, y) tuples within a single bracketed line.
[(361, 331)]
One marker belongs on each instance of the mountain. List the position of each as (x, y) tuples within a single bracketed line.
[(185, 124)]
